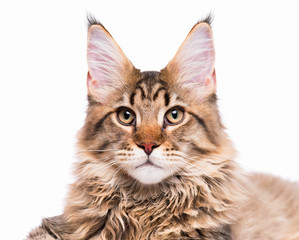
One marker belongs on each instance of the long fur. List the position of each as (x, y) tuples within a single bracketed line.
[(202, 194)]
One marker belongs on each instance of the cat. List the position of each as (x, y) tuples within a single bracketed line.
[(155, 161)]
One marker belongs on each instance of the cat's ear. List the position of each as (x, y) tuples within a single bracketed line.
[(192, 68), (107, 64)]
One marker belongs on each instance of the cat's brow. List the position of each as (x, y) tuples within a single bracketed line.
[(166, 97)]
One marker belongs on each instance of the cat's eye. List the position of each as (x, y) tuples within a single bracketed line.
[(174, 116), (126, 116)]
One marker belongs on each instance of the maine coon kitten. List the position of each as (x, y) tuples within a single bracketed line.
[(154, 159)]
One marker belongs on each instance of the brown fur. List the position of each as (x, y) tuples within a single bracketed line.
[(208, 197)]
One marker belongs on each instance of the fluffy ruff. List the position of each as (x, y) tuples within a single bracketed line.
[(118, 207)]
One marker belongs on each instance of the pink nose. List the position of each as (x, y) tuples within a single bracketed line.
[(148, 147)]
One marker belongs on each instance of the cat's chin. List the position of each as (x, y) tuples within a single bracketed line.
[(149, 174)]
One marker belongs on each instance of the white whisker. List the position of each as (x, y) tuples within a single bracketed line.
[(98, 150)]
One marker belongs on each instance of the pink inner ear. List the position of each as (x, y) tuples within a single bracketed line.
[(194, 62), (105, 59), (100, 72), (213, 78), (91, 83), (106, 64), (88, 79), (210, 83)]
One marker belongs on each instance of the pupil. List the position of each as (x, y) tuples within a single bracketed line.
[(127, 115), (175, 114)]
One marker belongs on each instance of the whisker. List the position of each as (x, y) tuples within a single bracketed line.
[(99, 150), (118, 169), (210, 155)]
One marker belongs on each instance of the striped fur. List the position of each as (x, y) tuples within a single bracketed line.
[(194, 189)]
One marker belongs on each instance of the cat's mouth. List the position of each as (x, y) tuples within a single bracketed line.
[(150, 170), (148, 163)]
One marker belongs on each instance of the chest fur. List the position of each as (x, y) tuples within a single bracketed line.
[(158, 220)]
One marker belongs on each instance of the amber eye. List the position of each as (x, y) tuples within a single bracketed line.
[(126, 116), (174, 116)]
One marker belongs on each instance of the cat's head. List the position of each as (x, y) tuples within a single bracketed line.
[(152, 126)]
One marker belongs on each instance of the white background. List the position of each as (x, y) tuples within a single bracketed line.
[(43, 86)]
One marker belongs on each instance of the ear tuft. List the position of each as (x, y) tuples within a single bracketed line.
[(92, 20), (193, 65), (208, 19)]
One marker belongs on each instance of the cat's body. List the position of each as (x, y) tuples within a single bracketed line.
[(270, 212), (155, 161)]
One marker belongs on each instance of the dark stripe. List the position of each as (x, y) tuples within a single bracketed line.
[(200, 234), (98, 125), (55, 226), (157, 92), (204, 210), (220, 233), (142, 80), (166, 96), (210, 183), (146, 76), (225, 233), (202, 123), (200, 150), (142, 92), (50, 232), (90, 99), (162, 82), (132, 98), (184, 234), (104, 145)]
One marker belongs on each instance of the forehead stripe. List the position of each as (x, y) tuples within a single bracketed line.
[(166, 97), (132, 100), (142, 91), (157, 92)]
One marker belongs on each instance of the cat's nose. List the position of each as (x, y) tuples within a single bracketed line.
[(148, 147)]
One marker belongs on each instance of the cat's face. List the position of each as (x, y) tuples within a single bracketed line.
[(150, 126)]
